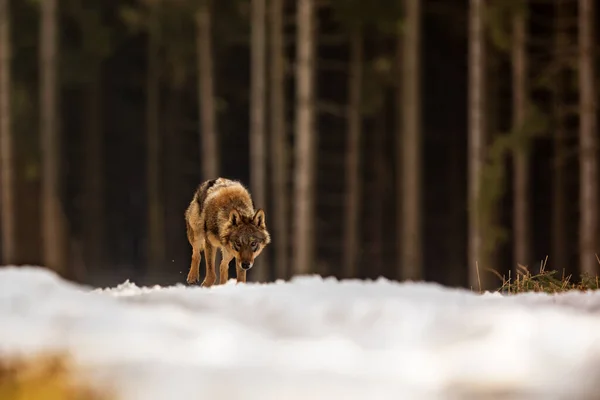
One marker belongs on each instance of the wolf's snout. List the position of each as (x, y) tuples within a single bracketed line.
[(246, 265)]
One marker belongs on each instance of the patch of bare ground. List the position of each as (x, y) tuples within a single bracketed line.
[(47, 377)]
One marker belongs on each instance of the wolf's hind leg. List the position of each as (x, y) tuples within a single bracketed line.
[(194, 273), (224, 268), (209, 255)]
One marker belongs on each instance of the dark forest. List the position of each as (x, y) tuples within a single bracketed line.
[(113, 112)]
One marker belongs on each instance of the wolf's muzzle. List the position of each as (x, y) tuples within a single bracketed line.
[(246, 265)]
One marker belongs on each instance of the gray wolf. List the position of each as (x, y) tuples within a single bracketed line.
[(222, 216)]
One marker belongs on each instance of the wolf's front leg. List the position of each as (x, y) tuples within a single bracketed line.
[(209, 255), (224, 268), (241, 274)]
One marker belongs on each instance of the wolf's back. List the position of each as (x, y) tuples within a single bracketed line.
[(202, 192), (214, 188)]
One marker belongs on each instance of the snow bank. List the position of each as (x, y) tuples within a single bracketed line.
[(310, 338)]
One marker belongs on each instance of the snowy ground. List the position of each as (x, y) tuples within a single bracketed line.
[(311, 339)]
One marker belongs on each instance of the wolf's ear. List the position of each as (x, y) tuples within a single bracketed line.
[(234, 217), (259, 218)]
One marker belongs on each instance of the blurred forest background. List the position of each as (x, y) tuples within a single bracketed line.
[(411, 139)]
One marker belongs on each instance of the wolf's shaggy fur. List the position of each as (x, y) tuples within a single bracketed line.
[(222, 215)]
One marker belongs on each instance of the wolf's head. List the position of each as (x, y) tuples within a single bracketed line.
[(247, 237)]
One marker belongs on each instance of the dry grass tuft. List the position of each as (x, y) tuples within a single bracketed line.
[(546, 281), (42, 378)]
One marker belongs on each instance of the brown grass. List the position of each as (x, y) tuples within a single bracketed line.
[(42, 378), (545, 281)]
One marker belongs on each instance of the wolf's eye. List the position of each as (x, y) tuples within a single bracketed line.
[(236, 246), (254, 245)]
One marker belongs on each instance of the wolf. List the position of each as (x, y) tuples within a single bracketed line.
[(222, 216)]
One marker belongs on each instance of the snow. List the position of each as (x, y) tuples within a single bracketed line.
[(309, 338)]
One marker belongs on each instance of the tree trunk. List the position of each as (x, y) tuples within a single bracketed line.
[(490, 209), (278, 142), (258, 142), (209, 149), (94, 204), (156, 242), (411, 259), (174, 151), (305, 136), (399, 155), (53, 223), (521, 153), (7, 163), (559, 223), (588, 179), (353, 152), (376, 198), (476, 142)]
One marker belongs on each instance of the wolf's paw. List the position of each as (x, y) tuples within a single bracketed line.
[(192, 278), (208, 281)]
